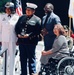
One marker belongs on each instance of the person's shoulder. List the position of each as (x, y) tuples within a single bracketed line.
[(16, 15), (44, 16), (54, 15), (3, 14), (69, 37), (36, 17), (62, 37), (23, 17)]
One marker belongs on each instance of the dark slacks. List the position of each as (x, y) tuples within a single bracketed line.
[(27, 52)]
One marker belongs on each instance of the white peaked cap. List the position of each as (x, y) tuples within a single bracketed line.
[(9, 4), (31, 5)]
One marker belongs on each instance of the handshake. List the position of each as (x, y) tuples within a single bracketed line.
[(44, 31)]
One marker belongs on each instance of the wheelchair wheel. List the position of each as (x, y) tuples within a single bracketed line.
[(42, 71), (66, 66), (48, 69)]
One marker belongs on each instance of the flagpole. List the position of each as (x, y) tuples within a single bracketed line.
[(69, 26)]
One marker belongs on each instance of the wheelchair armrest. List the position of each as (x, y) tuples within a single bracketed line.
[(65, 53)]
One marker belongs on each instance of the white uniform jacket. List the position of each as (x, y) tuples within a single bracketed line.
[(7, 25)]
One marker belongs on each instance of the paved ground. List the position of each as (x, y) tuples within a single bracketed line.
[(17, 63)]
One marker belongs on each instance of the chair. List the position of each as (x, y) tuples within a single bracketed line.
[(65, 66)]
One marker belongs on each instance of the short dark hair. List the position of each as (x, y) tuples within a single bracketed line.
[(50, 5)]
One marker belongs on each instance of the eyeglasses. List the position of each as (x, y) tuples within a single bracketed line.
[(66, 31)]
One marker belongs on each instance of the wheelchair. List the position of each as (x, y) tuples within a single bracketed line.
[(64, 66)]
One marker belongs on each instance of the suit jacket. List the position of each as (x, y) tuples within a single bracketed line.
[(53, 19), (7, 25)]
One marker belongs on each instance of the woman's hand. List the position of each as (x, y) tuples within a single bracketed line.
[(44, 52)]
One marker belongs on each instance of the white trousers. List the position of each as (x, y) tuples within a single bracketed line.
[(11, 49)]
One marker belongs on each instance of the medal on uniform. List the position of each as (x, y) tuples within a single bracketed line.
[(23, 32)]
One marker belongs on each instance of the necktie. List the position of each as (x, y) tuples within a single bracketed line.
[(46, 20)]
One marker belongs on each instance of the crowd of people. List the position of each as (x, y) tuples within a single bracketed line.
[(27, 30)]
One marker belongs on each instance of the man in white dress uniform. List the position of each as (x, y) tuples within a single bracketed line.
[(7, 25)]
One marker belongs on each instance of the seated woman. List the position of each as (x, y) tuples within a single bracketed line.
[(59, 48)]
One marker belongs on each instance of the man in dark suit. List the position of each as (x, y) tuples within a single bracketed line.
[(27, 30), (48, 22)]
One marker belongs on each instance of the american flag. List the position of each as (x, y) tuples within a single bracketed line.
[(18, 7)]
